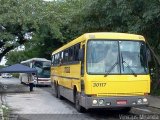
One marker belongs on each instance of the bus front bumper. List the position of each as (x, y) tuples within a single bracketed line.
[(113, 102), (44, 83)]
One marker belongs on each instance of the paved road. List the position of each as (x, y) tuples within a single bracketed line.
[(41, 104)]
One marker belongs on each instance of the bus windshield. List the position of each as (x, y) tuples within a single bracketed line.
[(43, 68), (116, 57)]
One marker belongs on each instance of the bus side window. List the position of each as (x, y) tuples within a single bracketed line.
[(76, 52), (66, 56), (57, 56), (52, 59), (82, 62), (71, 51), (61, 58)]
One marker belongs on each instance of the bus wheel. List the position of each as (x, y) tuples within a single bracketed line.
[(58, 93), (77, 105), (56, 90)]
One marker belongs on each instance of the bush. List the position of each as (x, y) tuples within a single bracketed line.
[(16, 75)]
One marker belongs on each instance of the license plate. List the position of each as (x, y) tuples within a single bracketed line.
[(121, 102)]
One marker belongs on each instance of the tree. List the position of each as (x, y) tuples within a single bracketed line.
[(75, 17), (20, 20), (138, 16), (17, 56), (46, 38)]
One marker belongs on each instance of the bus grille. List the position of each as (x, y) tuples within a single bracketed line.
[(118, 94)]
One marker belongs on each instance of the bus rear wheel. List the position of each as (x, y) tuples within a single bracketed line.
[(58, 93), (78, 107)]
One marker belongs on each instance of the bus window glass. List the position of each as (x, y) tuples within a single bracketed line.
[(57, 58), (66, 56), (43, 68), (104, 57), (76, 51), (101, 56), (71, 51), (133, 55), (62, 55), (52, 59), (45, 73)]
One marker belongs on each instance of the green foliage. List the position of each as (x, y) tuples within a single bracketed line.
[(5, 112), (55, 23), (21, 19), (18, 56), (137, 17), (16, 75), (2, 66), (49, 25)]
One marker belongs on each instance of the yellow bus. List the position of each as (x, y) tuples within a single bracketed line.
[(102, 70)]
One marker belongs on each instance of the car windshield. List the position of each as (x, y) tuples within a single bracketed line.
[(116, 57)]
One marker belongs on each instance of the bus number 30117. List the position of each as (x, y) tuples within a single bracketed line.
[(99, 84)]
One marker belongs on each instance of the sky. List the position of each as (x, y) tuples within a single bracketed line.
[(19, 48), (3, 61)]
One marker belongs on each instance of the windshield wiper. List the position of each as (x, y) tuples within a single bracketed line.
[(113, 66), (128, 66)]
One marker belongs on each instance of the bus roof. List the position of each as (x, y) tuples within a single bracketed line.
[(102, 35), (36, 59)]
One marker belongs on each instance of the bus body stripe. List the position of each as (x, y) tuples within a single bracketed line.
[(66, 77)]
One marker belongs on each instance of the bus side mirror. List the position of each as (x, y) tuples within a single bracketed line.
[(151, 72), (149, 58), (81, 55)]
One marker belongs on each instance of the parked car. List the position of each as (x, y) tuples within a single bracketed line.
[(6, 75)]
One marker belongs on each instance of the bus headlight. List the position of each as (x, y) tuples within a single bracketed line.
[(108, 103), (145, 100), (94, 102), (139, 101), (101, 102)]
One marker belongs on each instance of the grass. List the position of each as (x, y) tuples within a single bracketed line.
[(5, 112), (16, 75)]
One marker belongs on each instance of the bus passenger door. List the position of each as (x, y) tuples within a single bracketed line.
[(82, 58)]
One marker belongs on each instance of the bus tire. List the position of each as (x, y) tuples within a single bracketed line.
[(78, 107), (58, 93), (56, 90)]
